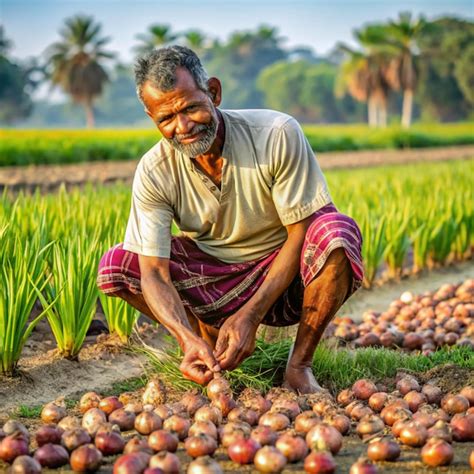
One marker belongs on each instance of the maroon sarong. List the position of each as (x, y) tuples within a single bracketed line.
[(213, 290)]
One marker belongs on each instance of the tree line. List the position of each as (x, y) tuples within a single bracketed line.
[(404, 68)]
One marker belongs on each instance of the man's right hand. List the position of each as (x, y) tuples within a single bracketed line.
[(199, 363)]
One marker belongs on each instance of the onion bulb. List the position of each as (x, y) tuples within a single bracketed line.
[(269, 459)]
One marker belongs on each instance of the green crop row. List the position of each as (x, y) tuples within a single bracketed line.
[(414, 216), (26, 147)]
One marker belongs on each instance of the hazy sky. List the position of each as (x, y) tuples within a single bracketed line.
[(33, 24)]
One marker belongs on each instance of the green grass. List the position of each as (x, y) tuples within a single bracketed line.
[(334, 368), (24, 411), (23, 147), (128, 385)]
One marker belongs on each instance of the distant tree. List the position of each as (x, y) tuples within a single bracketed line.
[(75, 62), (15, 83), (464, 73), (195, 40), (364, 74), (239, 61), (400, 43), (157, 35)]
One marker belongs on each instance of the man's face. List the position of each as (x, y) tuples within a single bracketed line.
[(185, 116)]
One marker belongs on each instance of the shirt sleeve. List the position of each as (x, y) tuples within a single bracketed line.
[(149, 224), (299, 188)]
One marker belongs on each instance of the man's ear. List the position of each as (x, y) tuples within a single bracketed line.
[(215, 90)]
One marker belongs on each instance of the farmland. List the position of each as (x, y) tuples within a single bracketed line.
[(25, 147), (411, 221)]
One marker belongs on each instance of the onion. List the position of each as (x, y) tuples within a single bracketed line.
[(290, 408), (437, 452), (345, 397), (209, 413), (52, 456), (340, 422), (412, 341), (224, 403), (398, 426), (415, 400), (166, 461), (110, 404), (25, 465), (383, 450), (320, 462), (200, 445), (364, 388), (243, 451), (377, 401), (124, 419), (392, 413), (69, 423), (86, 458), (433, 394), (92, 419), (413, 434), (275, 421), (53, 413), (109, 443), (425, 418), (147, 422), (235, 426), (137, 408), (252, 399), (243, 414), (305, 421), (89, 400), (359, 410), (163, 411), (218, 385), (178, 425), (441, 430), (471, 459), (153, 470), (48, 434), (72, 439), (468, 392), (133, 463), (192, 401), (12, 426), (292, 446), (407, 384), (363, 466), (137, 444), (453, 404), (369, 425), (203, 427), (462, 426), (264, 435), (204, 465), (155, 393), (324, 437), (232, 437), (12, 446), (162, 440), (269, 459)]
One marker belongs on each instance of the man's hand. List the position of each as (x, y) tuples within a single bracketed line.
[(199, 363), (236, 340)]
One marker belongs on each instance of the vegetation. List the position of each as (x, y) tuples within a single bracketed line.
[(25, 147), (51, 244), (336, 369)]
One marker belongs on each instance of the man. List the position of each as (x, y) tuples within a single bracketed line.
[(261, 241)]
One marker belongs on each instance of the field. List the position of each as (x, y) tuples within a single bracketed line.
[(412, 221), (25, 147)]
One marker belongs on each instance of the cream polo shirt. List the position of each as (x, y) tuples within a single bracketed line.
[(270, 179)]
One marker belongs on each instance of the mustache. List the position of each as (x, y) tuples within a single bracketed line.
[(197, 129)]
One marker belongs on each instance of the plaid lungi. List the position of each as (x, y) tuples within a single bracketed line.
[(213, 290)]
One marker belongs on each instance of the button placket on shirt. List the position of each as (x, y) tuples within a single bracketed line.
[(209, 184)]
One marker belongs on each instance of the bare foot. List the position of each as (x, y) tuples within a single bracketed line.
[(301, 380)]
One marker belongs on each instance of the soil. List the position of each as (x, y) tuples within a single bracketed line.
[(50, 177)]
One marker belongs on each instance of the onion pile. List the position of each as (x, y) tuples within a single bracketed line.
[(423, 322)]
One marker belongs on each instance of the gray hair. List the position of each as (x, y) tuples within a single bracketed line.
[(159, 67)]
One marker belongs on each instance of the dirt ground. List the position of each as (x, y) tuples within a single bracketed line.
[(49, 177)]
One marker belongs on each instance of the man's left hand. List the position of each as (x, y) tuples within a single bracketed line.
[(236, 340)]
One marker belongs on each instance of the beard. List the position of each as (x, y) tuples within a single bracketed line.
[(209, 133)]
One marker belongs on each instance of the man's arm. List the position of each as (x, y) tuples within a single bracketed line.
[(237, 335), (161, 296)]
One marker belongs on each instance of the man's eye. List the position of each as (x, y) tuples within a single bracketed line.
[(165, 119)]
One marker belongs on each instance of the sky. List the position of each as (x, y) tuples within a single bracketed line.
[(33, 24)]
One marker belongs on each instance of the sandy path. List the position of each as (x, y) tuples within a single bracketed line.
[(49, 177)]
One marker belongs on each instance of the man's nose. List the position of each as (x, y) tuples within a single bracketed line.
[(183, 124)]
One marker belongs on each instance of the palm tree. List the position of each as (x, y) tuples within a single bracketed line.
[(363, 75), (195, 40), (75, 62), (401, 43), (156, 36), (5, 43)]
